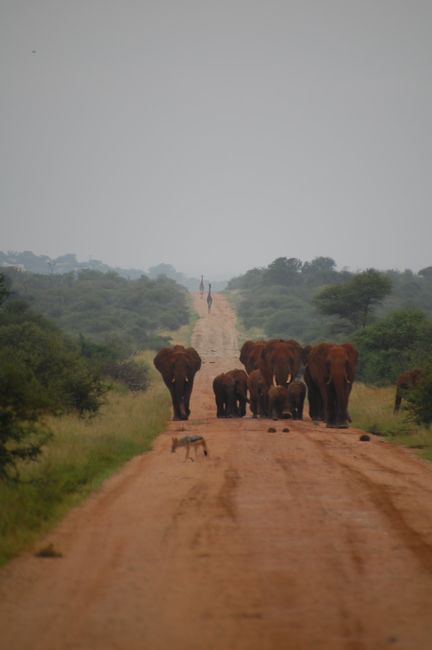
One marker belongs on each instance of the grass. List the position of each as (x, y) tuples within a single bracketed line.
[(371, 409), (81, 454)]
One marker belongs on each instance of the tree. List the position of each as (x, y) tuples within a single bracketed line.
[(400, 341), (419, 399), (283, 271), (21, 406), (354, 300), (41, 371)]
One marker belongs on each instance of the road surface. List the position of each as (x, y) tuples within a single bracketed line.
[(278, 541)]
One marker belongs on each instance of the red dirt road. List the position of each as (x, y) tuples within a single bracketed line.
[(284, 541)]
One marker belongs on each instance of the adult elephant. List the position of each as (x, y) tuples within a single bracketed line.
[(405, 382), (329, 375), (250, 354), (230, 389), (280, 362), (257, 394), (178, 366)]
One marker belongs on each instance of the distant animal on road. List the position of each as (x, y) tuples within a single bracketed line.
[(188, 442), (201, 287), (178, 366), (209, 299), (405, 382)]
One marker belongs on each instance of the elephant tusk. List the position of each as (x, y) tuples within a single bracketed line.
[(347, 380), (328, 381), (289, 380), (186, 379), (173, 380), (274, 380)]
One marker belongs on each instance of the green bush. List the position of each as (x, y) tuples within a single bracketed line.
[(419, 399), (131, 373), (22, 402), (400, 341)]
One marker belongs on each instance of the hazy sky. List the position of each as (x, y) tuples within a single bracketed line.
[(216, 135)]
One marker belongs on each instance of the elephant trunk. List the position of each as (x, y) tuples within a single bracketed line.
[(339, 389), (180, 383), (281, 377)]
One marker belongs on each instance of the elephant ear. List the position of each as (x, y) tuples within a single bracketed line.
[(161, 358), (246, 350), (194, 358), (305, 353), (352, 353)]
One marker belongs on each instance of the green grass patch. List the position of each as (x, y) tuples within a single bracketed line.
[(371, 409)]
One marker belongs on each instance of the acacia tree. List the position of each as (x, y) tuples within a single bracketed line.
[(354, 300)]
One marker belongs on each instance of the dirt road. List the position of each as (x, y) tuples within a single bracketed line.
[(285, 541)]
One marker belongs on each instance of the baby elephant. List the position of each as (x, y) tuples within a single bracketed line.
[(296, 397), (258, 393), (278, 403), (230, 389)]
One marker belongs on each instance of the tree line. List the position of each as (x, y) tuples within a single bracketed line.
[(388, 315), (65, 339)]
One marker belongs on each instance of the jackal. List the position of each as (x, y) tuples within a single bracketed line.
[(188, 442)]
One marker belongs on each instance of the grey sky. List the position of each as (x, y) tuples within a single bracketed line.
[(217, 135)]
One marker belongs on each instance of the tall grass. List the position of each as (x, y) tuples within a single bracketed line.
[(79, 457), (371, 409)]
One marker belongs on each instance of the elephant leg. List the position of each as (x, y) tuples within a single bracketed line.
[(325, 415), (188, 393), (264, 406), (176, 407), (254, 407), (315, 402), (300, 407), (220, 406)]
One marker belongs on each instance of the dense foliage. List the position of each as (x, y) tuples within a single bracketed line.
[(42, 371), (105, 307), (387, 314), (131, 373), (354, 300), (400, 341), (420, 399)]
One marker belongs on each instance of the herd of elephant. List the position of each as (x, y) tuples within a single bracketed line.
[(270, 381)]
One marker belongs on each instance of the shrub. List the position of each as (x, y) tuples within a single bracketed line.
[(134, 375), (419, 399), (22, 402)]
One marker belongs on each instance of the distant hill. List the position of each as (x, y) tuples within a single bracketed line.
[(28, 261)]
